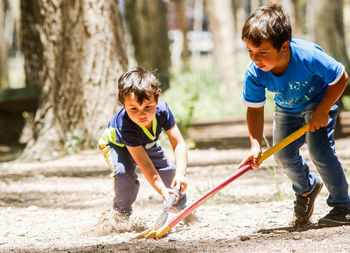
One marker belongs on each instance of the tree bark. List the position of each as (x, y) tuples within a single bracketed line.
[(221, 25), (147, 23), (3, 50), (181, 17), (80, 55)]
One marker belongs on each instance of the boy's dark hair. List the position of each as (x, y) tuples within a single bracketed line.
[(140, 82), (268, 22)]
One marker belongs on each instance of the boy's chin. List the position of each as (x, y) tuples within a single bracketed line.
[(264, 68), (144, 123)]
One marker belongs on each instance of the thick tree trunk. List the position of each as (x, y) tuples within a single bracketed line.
[(81, 55), (32, 50), (221, 25), (31, 45), (147, 23)]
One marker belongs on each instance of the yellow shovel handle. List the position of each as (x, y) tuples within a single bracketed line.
[(289, 139)]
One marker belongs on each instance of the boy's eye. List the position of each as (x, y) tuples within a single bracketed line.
[(262, 53), (148, 107)]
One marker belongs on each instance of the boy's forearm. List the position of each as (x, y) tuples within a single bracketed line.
[(181, 159), (152, 175), (180, 149), (147, 168), (255, 123), (333, 93)]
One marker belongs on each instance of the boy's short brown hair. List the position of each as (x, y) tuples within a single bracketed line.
[(270, 23), (140, 82)]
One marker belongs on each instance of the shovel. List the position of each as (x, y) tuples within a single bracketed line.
[(158, 233), (162, 217)]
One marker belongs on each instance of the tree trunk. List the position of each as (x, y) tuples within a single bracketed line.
[(297, 17), (197, 23), (147, 23), (81, 54), (31, 45), (329, 34), (3, 49), (181, 17), (32, 50), (221, 25), (329, 29)]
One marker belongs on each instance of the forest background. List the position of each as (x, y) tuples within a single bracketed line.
[(59, 65), (60, 61)]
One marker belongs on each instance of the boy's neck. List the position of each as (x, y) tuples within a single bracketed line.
[(283, 65), (150, 126)]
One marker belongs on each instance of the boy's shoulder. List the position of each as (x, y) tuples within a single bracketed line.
[(310, 55), (304, 47), (162, 105), (118, 118)]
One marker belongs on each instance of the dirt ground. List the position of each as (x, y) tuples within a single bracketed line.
[(65, 205)]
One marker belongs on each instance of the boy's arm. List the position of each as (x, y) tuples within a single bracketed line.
[(319, 118), (180, 150), (255, 123), (144, 162)]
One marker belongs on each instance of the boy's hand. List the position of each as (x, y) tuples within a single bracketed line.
[(181, 182), (318, 120), (166, 192), (252, 157)]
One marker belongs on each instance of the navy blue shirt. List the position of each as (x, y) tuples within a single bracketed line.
[(121, 130)]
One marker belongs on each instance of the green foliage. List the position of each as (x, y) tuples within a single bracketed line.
[(182, 96), (74, 141), (346, 102), (197, 95), (191, 94)]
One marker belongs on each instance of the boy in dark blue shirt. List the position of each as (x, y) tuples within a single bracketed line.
[(307, 84), (131, 137)]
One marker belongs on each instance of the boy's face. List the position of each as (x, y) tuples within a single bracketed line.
[(268, 58), (140, 114)]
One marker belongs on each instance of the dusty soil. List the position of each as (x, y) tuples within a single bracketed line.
[(65, 205)]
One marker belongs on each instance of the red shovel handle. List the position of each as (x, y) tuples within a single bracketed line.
[(166, 227), (209, 194)]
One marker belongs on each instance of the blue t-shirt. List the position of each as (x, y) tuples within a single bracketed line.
[(305, 81), (121, 130)]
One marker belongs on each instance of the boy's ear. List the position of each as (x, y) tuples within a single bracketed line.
[(285, 47)]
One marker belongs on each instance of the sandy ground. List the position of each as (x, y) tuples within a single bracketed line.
[(65, 206)]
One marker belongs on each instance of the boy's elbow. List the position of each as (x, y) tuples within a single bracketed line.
[(346, 77)]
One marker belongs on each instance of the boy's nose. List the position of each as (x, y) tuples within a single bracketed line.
[(141, 113), (254, 57)]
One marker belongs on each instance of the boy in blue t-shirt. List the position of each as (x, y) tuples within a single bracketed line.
[(131, 137), (307, 84)]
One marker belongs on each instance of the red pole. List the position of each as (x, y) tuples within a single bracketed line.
[(209, 194)]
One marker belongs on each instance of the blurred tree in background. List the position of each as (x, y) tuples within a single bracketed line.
[(74, 51), (221, 25), (147, 23), (329, 34), (77, 52), (3, 48), (329, 29)]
